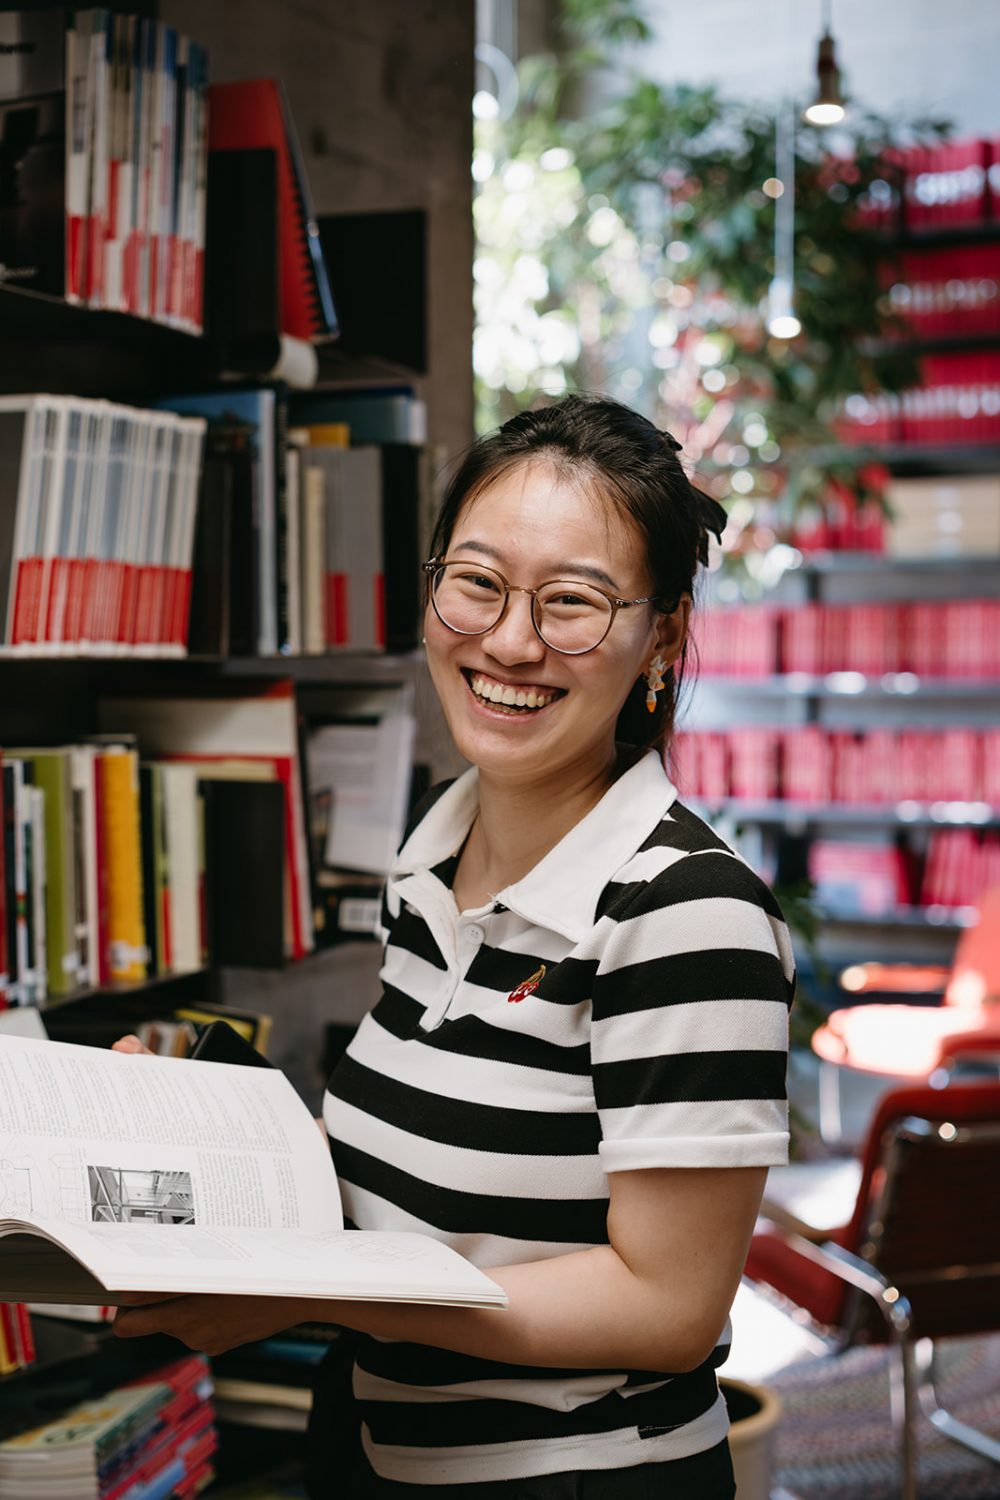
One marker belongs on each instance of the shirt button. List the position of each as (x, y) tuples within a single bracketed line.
[(474, 934)]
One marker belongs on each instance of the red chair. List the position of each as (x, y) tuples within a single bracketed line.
[(913, 1256), (912, 1042)]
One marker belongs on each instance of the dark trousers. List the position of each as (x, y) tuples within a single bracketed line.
[(704, 1476)]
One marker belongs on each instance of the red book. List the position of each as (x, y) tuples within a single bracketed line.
[(254, 114)]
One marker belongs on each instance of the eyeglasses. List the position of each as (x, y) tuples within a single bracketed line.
[(569, 616)]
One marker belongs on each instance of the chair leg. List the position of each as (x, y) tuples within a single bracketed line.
[(959, 1432), (903, 1411)]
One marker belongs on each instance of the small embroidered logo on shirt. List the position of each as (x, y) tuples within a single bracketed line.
[(527, 986)]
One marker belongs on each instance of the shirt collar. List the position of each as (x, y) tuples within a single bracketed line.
[(562, 891)]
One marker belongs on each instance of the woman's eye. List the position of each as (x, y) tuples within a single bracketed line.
[(478, 581)]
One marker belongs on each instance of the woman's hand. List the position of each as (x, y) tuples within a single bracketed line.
[(211, 1324), (131, 1044)]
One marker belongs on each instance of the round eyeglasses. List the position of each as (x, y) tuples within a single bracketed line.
[(569, 616)]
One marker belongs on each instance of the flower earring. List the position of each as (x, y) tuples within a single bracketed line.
[(654, 681)]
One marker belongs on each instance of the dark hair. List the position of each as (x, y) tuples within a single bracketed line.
[(624, 458)]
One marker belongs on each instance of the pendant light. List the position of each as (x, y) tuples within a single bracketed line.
[(782, 322), (828, 106)]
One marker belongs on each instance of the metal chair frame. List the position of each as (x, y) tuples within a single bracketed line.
[(911, 1368)]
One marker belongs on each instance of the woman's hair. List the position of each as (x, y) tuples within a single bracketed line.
[(626, 461)]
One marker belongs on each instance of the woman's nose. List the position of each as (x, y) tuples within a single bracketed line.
[(514, 638)]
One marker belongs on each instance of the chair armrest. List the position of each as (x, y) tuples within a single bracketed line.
[(891, 1303)]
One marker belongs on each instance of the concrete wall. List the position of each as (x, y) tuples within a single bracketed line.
[(381, 95), (897, 56)]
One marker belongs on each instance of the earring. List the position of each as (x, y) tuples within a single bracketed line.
[(654, 681)]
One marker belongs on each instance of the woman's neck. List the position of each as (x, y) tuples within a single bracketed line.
[(518, 824)]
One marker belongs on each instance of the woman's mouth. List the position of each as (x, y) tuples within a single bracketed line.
[(517, 699)]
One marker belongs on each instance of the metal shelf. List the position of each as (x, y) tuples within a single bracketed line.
[(800, 815), (935, 918), (877, 562), (847, 685)]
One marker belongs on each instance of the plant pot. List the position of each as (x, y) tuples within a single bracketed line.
[(754, 1411)]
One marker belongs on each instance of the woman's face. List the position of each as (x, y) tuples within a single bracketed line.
[(533, 525)]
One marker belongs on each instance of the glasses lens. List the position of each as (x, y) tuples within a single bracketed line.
[(468, 598), (572, 617)]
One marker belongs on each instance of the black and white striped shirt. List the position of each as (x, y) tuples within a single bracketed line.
[(625, 1005)]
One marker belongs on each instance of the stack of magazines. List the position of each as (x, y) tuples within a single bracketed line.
[(149, 1439)]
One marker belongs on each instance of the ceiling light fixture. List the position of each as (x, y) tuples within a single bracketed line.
[(828, 106), (781, 320)]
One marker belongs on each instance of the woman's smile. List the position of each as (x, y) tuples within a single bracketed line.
[(510, 699)]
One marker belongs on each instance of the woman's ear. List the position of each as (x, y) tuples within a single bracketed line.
[(672, 629)]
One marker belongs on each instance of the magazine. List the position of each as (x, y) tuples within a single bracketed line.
[(126, 1173)]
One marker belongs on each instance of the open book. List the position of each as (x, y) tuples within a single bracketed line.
[(124, 1173)]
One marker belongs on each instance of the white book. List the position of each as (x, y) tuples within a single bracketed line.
[(129, 1173), (45, 523), (22, 438), (152, 536), (313, 561), (79, 107), (294, 451), (84, 620), (36, 894), (133, 527), (182, 837), (97, 212), (192, 430), (81, 759)]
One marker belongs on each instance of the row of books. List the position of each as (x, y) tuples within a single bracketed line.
[(117, 868), (126, 531), (97, 517), (814, 765), (958, 401), (953, 640), (873, 878), (17, 1338), (151, 1438), (946, 293), (109, 115), (310, 527), (933, 186), (232, 825)]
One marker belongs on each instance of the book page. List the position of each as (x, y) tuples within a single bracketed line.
[(100, 1138), (357, 1264)]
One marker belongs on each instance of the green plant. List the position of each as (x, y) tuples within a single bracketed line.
[(625, 244)]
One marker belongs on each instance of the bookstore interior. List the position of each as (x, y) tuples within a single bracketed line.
[(236, 334)]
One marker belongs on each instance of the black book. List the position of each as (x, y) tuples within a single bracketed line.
[(401, 490), (33, 150), (244, 872)]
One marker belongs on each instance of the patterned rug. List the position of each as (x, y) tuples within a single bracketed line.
[(835, 1440)]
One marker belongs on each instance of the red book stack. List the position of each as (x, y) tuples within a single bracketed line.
[(753, 767), (957, 402), (806, 761), (945, 184)]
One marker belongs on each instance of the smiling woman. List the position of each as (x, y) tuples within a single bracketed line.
[(575, 1072)]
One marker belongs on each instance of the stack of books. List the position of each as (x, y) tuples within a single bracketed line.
[(955, 640), (813, 764), (152, 1438)]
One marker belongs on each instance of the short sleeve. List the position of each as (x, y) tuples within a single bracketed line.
[(689, 1033)]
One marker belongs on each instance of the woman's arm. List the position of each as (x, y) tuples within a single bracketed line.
[(655, 1298)]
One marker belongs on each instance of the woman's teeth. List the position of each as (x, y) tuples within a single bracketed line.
[(507, 696)]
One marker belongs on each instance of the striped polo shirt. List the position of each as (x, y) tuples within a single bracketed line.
[(625, 1005)]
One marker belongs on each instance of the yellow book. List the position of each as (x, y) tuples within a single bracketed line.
[(328, 434), (125, 936)]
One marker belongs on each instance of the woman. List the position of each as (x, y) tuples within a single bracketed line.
[(575, 1074)]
